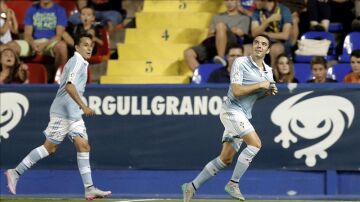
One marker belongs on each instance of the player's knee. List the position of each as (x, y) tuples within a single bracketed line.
[(257, 144), (51, 150), (226, 160), (85, 147)]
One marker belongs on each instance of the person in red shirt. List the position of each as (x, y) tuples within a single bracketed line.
[(354, 76)]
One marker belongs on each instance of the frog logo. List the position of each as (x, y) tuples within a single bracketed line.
[(14, 106), (324, 116)]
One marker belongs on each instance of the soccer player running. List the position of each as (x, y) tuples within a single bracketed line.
[(66, 120), (251, 79)]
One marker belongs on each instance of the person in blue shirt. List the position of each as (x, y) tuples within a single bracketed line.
[(251, 79), (274, 20), (66, 120), (45, 24)]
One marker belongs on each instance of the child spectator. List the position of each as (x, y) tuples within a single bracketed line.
[(87, 16), (8, 23), (354, 76), (319, 71), (284, 70), (108, 12), (12, 70)]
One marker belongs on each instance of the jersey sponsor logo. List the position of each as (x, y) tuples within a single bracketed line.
[(323, 117), (14, 106)]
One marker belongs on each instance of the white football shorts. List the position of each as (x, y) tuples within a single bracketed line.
[(236, 126), (59, 128)]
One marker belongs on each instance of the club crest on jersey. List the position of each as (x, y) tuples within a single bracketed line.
[(324, 117), (14, 106)]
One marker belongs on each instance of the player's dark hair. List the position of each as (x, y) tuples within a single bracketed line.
[(78, 39), (266, 37)]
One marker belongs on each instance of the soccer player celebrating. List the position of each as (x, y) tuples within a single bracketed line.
[(251, 79), (65, 120)]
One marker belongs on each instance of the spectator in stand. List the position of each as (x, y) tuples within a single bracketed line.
[(274, 20), (345, 17), (284, 70), (297, 9), (12, 70), (87, 16), (8, 23), (225, 30), (108, 12), (354, 76), (319, 12), (222, 75), (45, 24), (319, 71)]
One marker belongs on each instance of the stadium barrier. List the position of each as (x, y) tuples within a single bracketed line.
[(147, 135)]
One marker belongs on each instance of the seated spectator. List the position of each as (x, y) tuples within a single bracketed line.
[(297, 9), (274, 20), (87, 15), (319, 71), (45, 24), (222, 75), (354, 76), (108, 12), (12, 70), (284, 70), (8, 23), (319, 14), (224, 31)]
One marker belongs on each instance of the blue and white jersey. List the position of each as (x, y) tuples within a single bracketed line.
[(75, 72), (246, 72)]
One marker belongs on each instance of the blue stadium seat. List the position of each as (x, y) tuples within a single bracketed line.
[(204, 72), (351, 42), (340, 71), (302, 72), (335, 27), (318, 35)]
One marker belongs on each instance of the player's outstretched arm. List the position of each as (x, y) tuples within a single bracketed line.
[(71, 89)]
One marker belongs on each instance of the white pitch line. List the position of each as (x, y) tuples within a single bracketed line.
[(141, 200)]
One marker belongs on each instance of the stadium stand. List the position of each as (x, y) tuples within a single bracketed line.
[(37, 73), (153, 52), (69, 5), (20, 7), (102, 52), (318, 35), (351, 42), (335, 27), (204, 72), (302, 71), (340, 71)]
